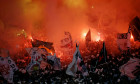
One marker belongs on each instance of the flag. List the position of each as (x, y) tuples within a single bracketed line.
[(67, 44), (131, 68), (77, 62), (88, 39), (128, 37), (48, 45), (81, 65), (123, 41), (103, 55), (54, 61), (135, 28), (7, 68), (36, 57), (72, 67)]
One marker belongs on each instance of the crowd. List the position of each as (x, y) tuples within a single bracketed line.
[(106, 73)]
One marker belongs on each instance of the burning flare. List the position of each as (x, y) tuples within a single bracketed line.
[(98, 37), (132, 36)]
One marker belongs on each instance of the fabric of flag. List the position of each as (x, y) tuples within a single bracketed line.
[(67, 44), (128, 37), (38, 43), (131, 68), (135, 28), (36, 56), (123, 41), (103, 55), (7, 68), (88, 38), (77, 62), (54, 61), (81, 65), (43, 65), (72, 67)]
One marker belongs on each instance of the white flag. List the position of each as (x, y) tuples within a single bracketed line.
[(54, 61), (67, 44), (123, 41), (130, 69), (36, 57), (7, 68), (81, 65), (72, 67), (77, 62)]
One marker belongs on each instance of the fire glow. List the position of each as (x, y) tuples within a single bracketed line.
[(132, 38), (84, 35), (98, 38)]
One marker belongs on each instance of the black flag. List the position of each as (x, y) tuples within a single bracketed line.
[(103, 55), (135, 28), (38, 43), (88, 39)]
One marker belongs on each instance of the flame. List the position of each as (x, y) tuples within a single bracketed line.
[(48, 50), (132, 36), (31, 38), (98, 38), (84, 34)]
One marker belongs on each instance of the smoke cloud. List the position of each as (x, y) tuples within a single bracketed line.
[(50, 18)]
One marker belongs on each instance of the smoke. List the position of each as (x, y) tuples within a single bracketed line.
[(50, 18)]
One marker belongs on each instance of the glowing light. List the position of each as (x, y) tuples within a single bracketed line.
[(83, 35), (131, 37), (22, 33), (98, 37), (31, 38), (92, 7)]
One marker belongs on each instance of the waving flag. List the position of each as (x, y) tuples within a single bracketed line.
[(36, 57), (47, 45), (103, 55), (7, 68), (54, 61), (131, 68), (135, 27), (128, 37), (72, 67), (67, 44), (77, 62), (88, 38), (81, 65), (123, 41)]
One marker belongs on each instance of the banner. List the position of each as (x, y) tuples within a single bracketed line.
[(48, 45), (7, 68), (67, 44), (36, 57), (88, 39), (135, 28), (77, 62), (103, 55), (54, 61), (72, 67), (131, 68), (123, 41)]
